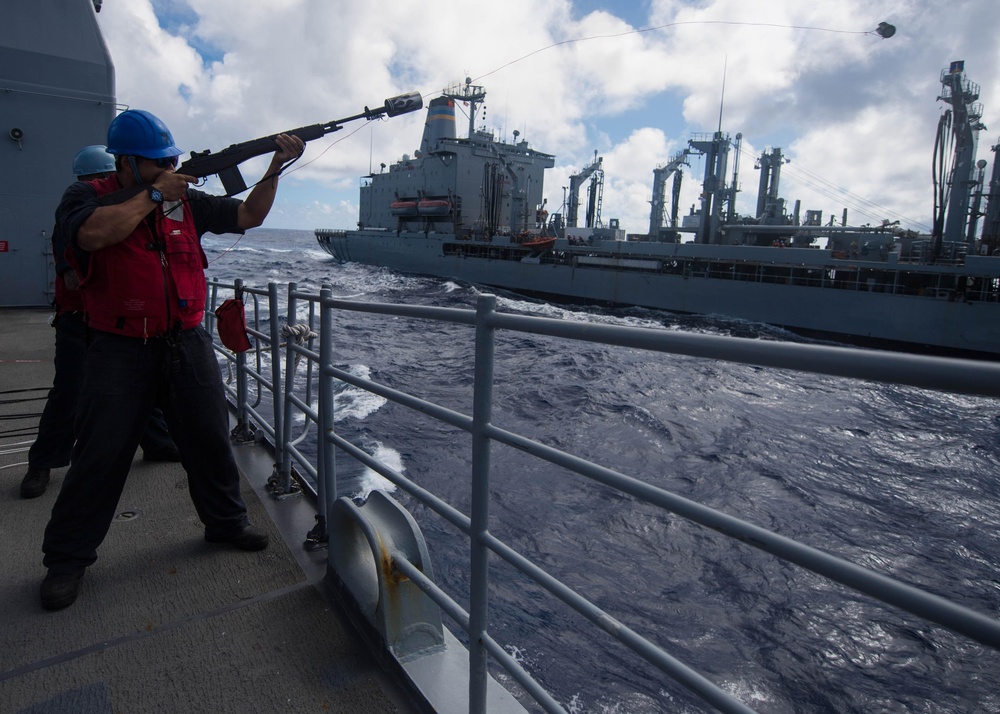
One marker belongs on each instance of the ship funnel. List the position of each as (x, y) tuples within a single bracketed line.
[(440, 124)]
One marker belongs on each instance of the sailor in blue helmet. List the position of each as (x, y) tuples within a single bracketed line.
[(135, 241), (51, 449)]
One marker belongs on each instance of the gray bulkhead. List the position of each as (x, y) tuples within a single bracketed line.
[(58, 95)]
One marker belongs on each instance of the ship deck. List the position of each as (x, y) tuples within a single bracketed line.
[(166, 622)]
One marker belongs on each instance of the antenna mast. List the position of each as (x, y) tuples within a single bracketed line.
[(471, 93), (722, 99)]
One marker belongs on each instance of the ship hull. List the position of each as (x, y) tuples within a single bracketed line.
[(937, 322)]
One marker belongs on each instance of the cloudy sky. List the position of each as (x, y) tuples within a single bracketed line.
[(630, 79)]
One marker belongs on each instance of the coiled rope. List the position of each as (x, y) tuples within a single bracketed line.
[(301, 334)]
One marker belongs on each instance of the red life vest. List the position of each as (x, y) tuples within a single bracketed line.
[(66, 300), (151, 281)]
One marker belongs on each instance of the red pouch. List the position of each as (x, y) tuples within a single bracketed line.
[(232, 325)]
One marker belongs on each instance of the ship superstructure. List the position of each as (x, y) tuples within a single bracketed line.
[(471, 209), (475, 186)]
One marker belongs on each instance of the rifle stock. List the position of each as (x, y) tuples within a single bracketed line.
[(226, 162)]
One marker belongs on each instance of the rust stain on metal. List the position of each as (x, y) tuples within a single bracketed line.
[(389, 573)]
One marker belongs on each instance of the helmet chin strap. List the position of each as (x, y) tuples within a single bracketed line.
[(135, 169)]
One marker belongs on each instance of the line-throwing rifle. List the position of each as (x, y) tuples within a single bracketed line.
[(226, 162)]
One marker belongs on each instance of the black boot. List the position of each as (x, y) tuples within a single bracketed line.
[(34, 483), (168, 453), (246, 538), (59, 590)]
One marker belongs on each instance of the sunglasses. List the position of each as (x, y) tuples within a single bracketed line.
[(167, 162)]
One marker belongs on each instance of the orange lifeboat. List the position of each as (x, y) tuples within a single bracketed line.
[(433, 207), (540, 242), (403, 208)]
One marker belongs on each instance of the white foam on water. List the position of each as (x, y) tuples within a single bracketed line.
[(349, 402), (373, 481), (316, 254), (354, 403)]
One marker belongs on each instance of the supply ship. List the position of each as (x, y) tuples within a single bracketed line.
[(472, 209), (343, 612)]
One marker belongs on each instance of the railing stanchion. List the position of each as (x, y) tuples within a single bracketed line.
[(286, 432), (326, 481), (482, 409), (277, 391)]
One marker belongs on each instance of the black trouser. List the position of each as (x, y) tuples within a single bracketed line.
[(124, 379), (54, 444)]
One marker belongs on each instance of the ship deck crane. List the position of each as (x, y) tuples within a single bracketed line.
[(991, 220), (716, 197), (954, 183), (657, 213), (577, 180), (770, 207)]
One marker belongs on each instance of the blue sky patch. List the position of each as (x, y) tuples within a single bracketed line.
[(179, 19)]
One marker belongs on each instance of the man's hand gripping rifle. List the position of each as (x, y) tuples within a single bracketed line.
[(226, 162)]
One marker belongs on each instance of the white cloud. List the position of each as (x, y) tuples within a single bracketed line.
[(855, 109)]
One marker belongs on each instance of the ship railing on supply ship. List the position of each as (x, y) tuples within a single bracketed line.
[(896, 280), (408, 564)]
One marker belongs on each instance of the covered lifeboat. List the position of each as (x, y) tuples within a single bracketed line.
[(434, 207)]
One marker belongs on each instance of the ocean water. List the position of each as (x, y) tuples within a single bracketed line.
[(898, 479)]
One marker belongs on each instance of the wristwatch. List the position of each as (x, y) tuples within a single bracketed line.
[(155, 195)]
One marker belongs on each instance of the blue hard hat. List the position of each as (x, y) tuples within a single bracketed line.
[(93, 159), (138, 133)]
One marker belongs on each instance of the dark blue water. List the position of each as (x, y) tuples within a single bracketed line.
[(901, 480)]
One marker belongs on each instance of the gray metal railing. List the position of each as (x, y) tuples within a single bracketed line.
[(959, 376), (273, 388)]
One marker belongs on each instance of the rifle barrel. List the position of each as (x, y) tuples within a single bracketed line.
[(226, 161)]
